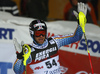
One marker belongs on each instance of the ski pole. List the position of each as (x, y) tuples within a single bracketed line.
[(82, 22), (26, 54)]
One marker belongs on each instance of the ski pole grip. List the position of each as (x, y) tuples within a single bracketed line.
[(82, 20), (26, 55)]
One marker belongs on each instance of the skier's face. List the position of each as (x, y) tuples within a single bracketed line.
[(40, 36), (40, 39)]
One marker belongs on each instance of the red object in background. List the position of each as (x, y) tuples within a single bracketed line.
[(77, 63)]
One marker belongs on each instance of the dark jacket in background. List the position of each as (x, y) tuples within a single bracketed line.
[(9, 6), (37, 9)]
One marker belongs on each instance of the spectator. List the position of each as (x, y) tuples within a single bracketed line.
[(35, 9), (9, 6), (72, 5), (23, 7), (95, 6)]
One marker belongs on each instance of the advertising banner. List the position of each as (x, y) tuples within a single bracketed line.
[(73, 57)]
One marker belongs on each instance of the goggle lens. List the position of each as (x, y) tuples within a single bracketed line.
[(39, 33)]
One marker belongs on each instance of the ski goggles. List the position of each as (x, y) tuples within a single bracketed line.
[(39, 33)]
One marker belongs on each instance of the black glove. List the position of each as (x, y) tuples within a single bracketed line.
[(19, 55)]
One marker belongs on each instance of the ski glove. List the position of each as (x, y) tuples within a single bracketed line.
[(18, 48), (81, 8)]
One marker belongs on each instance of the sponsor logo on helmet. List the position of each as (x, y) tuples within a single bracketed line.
[(40, 28), (39, 24)]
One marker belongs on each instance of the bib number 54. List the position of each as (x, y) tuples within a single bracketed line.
[(51, 64)]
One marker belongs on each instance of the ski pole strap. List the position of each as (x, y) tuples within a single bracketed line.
[(26, 52), (82, 20)]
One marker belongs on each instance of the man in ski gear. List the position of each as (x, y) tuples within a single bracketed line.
[(44, 50)]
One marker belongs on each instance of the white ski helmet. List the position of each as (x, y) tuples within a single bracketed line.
[(37, 25)]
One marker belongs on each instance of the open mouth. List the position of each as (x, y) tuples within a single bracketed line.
[(41, 39)]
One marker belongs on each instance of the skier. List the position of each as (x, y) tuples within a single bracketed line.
[(44, 58)]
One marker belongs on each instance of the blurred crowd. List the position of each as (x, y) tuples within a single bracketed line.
[(9, 6), (39, 9), (92, 11)]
